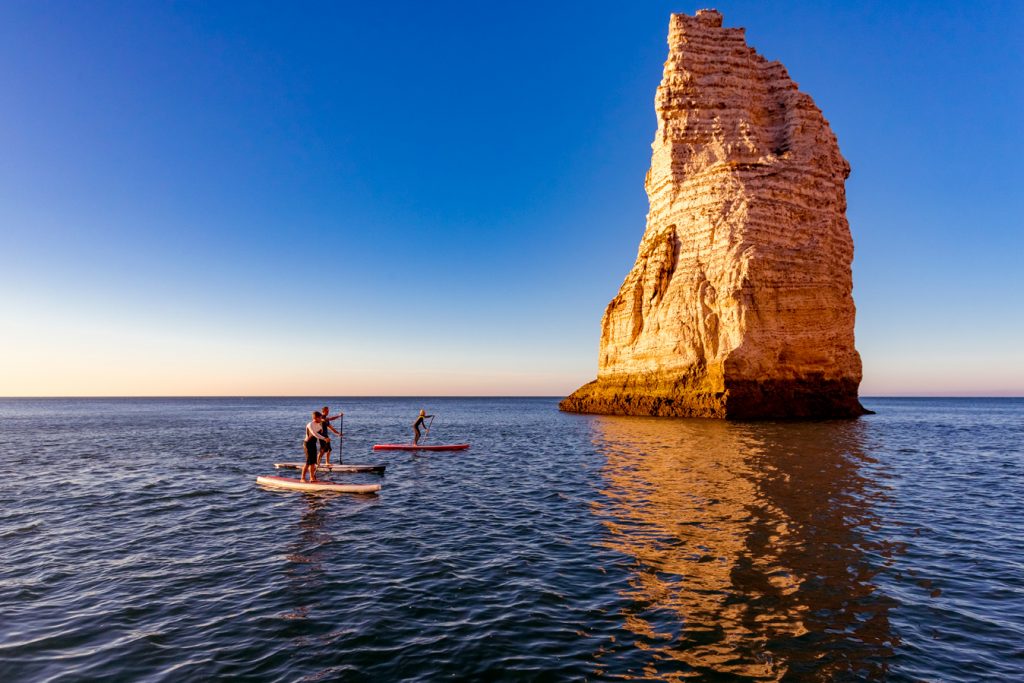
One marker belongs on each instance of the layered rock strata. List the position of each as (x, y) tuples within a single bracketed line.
[(740, 302)]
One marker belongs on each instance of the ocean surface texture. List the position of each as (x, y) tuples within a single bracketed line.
[(137, 545)]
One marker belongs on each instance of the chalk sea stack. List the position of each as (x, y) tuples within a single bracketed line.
[(740, 302)]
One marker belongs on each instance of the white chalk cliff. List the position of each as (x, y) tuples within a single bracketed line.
[(740, 302)]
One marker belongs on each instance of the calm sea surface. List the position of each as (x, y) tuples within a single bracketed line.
[(136, 545)]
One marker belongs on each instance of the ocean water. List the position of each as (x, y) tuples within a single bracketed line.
[(136, 545)]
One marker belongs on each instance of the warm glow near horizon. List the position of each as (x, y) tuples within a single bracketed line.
[(168, 367), (69, 350), (107, 359)]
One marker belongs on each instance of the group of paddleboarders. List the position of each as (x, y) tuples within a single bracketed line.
[(318, 435)]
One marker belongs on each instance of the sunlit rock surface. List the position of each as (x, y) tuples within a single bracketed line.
[(740, 302)]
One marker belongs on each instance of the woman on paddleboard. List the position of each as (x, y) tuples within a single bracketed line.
[(314, 433), (325, 446), (417, 424)]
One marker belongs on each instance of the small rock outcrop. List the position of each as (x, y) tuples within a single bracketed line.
[(740, 302)]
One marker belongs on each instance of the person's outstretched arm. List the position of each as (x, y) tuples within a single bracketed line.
[(318, 435)]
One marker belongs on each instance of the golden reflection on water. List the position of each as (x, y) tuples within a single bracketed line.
[(750, 547)]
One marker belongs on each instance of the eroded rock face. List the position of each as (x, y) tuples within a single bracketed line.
[(739, 304)]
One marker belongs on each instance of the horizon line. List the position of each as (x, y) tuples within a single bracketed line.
[(420, 396)]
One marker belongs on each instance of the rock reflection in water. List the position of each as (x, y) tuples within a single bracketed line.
[(752, 547)]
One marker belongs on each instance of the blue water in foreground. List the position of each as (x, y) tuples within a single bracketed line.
[(136, 545)]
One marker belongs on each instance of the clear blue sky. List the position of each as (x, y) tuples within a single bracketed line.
[(441, 198)]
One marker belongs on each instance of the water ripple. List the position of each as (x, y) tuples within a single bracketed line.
[(558, 547)]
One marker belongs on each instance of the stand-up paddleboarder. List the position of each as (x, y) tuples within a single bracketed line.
[(314, 433), (419, 423), (325, 446)]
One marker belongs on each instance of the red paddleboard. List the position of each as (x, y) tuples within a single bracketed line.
[(414, 447), (298, 485)]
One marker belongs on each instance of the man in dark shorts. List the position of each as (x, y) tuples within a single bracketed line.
[(325, 446), (313, 434)]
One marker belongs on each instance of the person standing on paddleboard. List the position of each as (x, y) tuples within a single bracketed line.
[(417, 424), (325, 446), (314, 433)]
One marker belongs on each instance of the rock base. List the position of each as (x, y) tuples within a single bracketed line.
[(808, 398)]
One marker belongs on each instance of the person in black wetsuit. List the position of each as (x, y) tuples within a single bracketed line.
[(325, 446), (417, 424), (313, 434)]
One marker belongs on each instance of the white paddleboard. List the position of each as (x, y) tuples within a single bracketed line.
[(297, 485), (342, 467)]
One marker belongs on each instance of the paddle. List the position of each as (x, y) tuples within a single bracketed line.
[(430, 424)]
